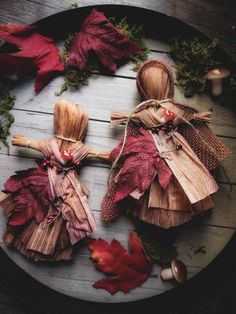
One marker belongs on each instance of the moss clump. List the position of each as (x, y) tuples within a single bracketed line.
[(134, 33), (193, 59), (76, 78), (6, 118)]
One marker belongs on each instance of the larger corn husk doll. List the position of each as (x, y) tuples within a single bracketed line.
[(160, 171), (47, 206)]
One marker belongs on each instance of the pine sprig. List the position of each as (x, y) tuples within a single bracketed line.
[(6, 118), (136, 34), (193, 59), (76, 78)]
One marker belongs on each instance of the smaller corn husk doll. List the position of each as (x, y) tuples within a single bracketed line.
[(47, 206), (160, 171)]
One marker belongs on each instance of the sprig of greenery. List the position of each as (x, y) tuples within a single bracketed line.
[(158, 243), (228, 98), (193, 59), (66, 47), (76, 78), (6, 118), (134, 33)]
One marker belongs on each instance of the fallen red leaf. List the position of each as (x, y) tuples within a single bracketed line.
[(31, 194), (128, 270), (37, 53), (99, 35), (141, 163)]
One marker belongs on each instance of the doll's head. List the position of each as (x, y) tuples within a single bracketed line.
[(70, 120), (155, 81)]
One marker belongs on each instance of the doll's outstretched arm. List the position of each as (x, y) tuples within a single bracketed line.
[(104, 155), (202, 116), (24, 141)]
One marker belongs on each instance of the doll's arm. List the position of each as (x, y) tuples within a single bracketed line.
[(202, 116), (23, 141), (104, 156), (118, 118)]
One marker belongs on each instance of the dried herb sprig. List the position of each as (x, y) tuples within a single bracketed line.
[(76, 78), (66, 48), (193, 58), (6, 118), (136, 34), (158, 243)]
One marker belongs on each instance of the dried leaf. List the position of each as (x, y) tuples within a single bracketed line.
[(100, 37), (127, 270), (141, 163), (31, 194), (37, 53)]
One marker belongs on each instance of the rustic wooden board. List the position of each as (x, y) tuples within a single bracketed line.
[(201, 14), (33, 117)]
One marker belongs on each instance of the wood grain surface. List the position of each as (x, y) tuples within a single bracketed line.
[(33, 116)]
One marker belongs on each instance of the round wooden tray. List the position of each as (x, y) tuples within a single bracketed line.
[(33, 117)]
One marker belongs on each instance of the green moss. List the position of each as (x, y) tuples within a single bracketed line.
[(193, 59), (6, 118), (76, 78), (134, 33)]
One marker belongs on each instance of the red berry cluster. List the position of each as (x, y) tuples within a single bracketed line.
[(167, 128)]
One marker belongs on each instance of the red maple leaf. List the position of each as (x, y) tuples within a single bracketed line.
[(98, 35), (31, 194), (128, 270), (37, 53), (141, 163)]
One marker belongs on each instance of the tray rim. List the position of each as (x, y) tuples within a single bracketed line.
[(204, 279)]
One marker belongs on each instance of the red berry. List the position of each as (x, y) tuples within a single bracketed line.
[(66, 154), (169, 115)]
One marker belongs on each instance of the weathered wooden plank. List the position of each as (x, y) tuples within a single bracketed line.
[(205, 20), (201, 16), (224, 213), (39, 9), (99, 137), (127, 69), (76, 279), (104, 95)]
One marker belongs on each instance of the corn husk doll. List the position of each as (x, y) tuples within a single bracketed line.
[(47, 206), (160, 172)]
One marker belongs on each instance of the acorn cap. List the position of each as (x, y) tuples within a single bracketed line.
[(179, 270), (218, 73)]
